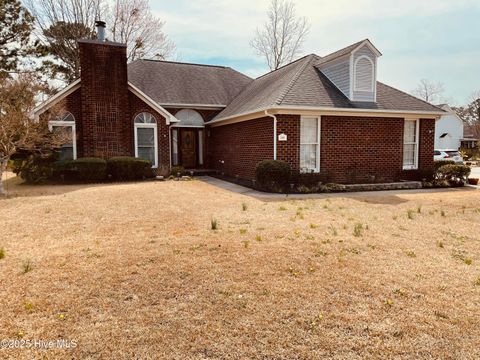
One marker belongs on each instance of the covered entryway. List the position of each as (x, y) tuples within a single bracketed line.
[(188, 140)]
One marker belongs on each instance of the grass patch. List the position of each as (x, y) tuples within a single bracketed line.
[(410, 253), (334, 230), (243, 231), (358, 230), (258, 238), (313, 226), (244, 207), (27, 266), (2, 253), (282, 208), (214, 224), (410, 213)]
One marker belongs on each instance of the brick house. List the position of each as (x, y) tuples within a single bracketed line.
[(328, 117)]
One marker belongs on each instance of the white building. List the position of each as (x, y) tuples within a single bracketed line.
[(448, 130)]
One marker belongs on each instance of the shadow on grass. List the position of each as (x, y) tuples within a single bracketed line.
[(15, 187)]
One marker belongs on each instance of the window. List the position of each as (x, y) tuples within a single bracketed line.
[(146, 143), (174, 147), (309, 144), (364, 74), (410, 144), (66, 123)]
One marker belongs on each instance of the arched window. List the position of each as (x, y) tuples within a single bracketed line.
[(189, 118), (66, 122), (146, 141), (364, 74)]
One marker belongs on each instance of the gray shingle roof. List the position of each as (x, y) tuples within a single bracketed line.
[(302, 84), (299, 83), (181, 83)]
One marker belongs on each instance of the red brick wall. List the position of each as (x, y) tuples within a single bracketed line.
[(241, 146), (105, 125), (352, 150)]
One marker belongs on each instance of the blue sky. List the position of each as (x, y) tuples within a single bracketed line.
[(438, 40)]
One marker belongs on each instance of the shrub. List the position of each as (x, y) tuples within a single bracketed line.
[(90, 169), (456, 175), (126, 168), (177, 171), (273, 175), (439, 163), (34, 169)]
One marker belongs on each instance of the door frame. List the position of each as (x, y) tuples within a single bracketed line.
[(196, 131)]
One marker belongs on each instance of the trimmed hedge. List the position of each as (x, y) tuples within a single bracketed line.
[(273, 175), (83, 170), (126, 168)]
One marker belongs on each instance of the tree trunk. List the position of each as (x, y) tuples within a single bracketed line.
[(3, 168)]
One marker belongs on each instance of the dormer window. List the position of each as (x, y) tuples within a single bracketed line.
[(364, 74), (353, 70)]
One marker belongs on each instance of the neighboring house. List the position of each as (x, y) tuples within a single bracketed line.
[(328, 117), (448, 130)]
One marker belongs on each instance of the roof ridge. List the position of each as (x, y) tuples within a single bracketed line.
[(414, 97), (284, 66), (185, 63), (292, 82)]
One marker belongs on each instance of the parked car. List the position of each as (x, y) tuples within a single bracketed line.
[(448, 155)]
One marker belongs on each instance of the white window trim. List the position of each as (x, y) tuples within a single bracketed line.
[(155, 139), (318, 143), (372, 86), (416, 143), (60, 123)]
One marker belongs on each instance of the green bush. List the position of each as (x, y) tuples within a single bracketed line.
[(34, 169), (177, 171), (439, 163), (273, 175), (125, 168), (456, 175), (90, 169)]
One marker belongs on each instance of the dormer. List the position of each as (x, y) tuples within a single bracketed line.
[(353, 70)]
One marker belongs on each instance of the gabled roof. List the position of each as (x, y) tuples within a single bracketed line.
[(347, 51), (173, 83), (302, 84), (44, 106)]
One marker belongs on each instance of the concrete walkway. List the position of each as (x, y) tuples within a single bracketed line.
[(280, 197)]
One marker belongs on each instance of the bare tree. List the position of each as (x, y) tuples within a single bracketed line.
[(281, 38), (133, 23), (429, 91), (18, 130), (61, 22), (470, 114)]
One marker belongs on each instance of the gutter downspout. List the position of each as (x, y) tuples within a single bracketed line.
[(274, 133)]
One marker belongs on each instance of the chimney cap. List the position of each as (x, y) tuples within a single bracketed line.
[(100, 23)]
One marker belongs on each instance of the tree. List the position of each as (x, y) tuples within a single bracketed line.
[(132, 23), (16, 24), (281, 38), (18, 130), (428, 91), (62, 22), (62, 41), (470, 114)]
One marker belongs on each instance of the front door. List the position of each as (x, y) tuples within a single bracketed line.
[(188, 146)]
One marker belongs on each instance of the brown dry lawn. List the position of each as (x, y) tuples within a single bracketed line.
[(134, 271)]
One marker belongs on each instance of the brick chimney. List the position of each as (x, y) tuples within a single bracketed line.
[(104, 92)]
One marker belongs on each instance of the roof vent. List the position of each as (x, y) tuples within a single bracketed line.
[(100, 29)]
